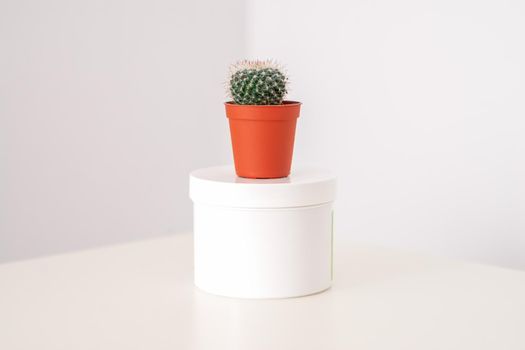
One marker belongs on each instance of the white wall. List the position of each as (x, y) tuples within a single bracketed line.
[(105, 106), (419, 106)]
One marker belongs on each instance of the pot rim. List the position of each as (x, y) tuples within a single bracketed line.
[(287, 111)]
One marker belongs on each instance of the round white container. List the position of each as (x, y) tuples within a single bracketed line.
[(262, 238)]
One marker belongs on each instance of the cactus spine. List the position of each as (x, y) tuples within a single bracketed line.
[(257, 83)]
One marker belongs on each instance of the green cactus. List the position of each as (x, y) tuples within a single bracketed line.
[(257, 83)]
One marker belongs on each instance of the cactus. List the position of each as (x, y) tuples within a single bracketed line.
[(257, 83)]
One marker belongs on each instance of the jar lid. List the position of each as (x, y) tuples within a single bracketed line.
[(221, 186)]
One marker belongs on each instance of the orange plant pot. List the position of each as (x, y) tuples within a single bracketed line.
[(263, 138)]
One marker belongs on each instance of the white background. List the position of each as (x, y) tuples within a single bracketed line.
[(106, 105), (420, 107)]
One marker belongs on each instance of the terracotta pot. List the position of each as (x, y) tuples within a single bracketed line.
[(263, 138)]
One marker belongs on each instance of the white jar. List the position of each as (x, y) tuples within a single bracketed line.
[(256, 238)]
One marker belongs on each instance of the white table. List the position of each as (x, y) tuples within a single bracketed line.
[(140, 296)]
